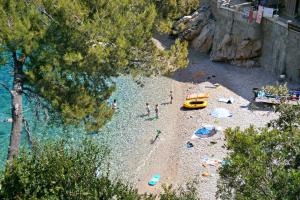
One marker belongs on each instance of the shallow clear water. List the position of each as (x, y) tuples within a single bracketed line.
[(39, 129), (4, 114), (123, 134)]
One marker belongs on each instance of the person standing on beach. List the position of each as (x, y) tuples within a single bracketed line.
[(156, 111), (148, 109), (171, 97), (114, 104)]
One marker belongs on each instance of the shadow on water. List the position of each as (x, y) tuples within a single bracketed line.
[(3, 134)]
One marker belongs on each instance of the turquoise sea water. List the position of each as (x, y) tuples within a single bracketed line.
[(4, 114), (123, 134), (39, 129)]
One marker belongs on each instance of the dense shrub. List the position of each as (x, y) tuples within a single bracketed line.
[(263, 163), (63, 170)]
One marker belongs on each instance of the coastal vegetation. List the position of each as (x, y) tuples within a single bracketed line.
[(65, 170), (63, 55), (171, 10), (263, 163)]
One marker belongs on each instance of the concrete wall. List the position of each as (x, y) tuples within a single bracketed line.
[(274, 47), (281, 50), (233, 22), (293, 55)]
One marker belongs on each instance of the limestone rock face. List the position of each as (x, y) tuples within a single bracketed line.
[(237, 51), (226, 36), (229, 36), (204, 41)]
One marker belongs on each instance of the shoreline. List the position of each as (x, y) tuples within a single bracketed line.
[(168, 156)]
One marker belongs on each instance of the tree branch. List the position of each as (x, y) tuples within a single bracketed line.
[(28, 89), (28, 133), (6, 87)]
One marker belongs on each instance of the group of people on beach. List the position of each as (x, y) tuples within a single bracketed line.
[(148, 110), (156, 106), (113, 104)]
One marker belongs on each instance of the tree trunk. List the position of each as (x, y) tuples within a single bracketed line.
[(16, 112)]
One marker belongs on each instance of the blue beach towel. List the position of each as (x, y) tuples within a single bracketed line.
[(294, 92), (154, 180), (203, 131)]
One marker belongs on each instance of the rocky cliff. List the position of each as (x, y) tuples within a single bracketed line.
[(227, 36), (224, 34)]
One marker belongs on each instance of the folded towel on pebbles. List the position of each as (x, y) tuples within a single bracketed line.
[(226, 100)]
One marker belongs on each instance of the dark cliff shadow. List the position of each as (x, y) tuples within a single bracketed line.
[(240, 80)]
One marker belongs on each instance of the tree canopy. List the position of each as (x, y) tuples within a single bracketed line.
[(171, 10), (68, 50), (66, 170), (263, 163)]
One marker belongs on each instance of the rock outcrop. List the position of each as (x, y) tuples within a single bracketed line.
[(204, 41), (228, 36), (224, 35), (237, 51)]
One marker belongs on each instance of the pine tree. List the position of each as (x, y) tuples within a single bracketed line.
[(65, 52)]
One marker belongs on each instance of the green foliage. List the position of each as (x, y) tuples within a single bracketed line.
[(171, 10), (289, 117), (65, 170), (187, 193), (262, 164), (59, 170), (164, 26), (178, 54), (277, 90), (74, 47)]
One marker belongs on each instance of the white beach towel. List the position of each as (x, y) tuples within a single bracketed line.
[(226, 100)]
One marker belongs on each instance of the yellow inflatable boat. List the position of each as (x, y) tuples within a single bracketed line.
[(195, 103), (197, 96)]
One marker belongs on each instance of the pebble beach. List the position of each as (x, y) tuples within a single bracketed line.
[(136, 158), (135, 154)]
